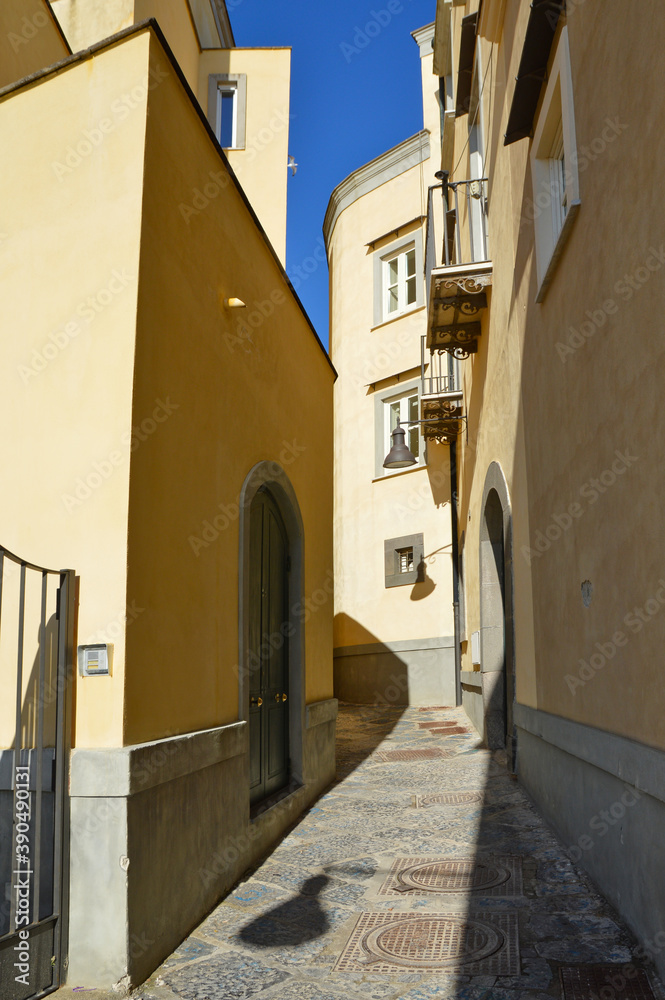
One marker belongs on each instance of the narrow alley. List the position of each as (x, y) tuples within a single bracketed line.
[(423, 872)]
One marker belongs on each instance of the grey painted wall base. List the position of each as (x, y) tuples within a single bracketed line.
[(417, 672), (160, 832), (605, 797), (472, 699)]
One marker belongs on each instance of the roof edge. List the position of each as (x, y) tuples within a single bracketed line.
[(384, 168), (151, 25)]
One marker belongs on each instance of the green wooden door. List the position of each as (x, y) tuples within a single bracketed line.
[(268, 649)]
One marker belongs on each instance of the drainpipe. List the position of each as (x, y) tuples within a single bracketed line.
[(455, 557)]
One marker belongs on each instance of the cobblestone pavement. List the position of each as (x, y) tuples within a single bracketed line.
[(418, 875)]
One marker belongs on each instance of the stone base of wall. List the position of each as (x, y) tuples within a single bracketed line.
[(161, 831), (605, 797), (418, 672)]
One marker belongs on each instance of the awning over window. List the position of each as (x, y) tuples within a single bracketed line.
[(465, 73), (540, 32)]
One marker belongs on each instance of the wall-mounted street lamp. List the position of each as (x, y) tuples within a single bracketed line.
[(399, 456)]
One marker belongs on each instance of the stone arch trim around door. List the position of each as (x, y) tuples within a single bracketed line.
[(270, 476), (497, 611)]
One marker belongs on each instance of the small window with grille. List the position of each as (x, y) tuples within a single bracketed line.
[(403, 557), (405, 561)]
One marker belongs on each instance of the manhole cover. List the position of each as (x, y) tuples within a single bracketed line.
[(447, 799), (485, 876), (582, 982), (431, 753), (482, 944)]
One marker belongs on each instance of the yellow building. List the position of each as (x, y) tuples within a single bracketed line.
[(546, 272), (394, 640), (175, 449)]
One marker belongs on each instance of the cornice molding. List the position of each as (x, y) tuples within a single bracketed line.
[(372, 175)]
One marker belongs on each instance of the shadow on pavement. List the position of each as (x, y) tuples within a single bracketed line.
[(298, 920)]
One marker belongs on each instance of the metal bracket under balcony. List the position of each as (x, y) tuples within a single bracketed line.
[(446, 414), (457, 301)]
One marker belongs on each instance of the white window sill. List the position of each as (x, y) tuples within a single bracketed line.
[(562, 239)]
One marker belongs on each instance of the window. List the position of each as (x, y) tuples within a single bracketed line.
[(227, 116), (403, 410), (404, 560), (554, 171), (557, 161), (400, 282), (227, 107), (399, 402), (399, 278)]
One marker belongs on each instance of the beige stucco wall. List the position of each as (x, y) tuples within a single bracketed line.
[(239, 398), (69, 289), (261, 166), (367, 512), (555, 418), (29, 39), (86, 22)]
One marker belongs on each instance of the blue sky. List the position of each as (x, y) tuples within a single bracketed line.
[(354, 94)]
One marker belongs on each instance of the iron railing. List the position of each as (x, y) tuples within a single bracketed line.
[(439, 372), (463, 237), (36, 654)]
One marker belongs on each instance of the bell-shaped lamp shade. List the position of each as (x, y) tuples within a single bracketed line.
[(399, 456)]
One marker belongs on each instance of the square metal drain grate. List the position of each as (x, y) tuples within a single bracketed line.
[(583, 982), (430, 753), (477, 944), (487, 876), (447, 799)]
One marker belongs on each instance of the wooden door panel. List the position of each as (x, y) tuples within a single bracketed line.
[(269, 649)]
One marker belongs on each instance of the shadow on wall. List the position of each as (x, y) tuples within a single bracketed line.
[(424, 585), (367, 672)]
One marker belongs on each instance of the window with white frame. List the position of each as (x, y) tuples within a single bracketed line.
[(403, 409), (227, 103), (399, 282), (399, 278), (554, 172)]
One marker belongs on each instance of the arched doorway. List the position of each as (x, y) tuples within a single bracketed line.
[(271, 680), (268, 650), (496, 614)]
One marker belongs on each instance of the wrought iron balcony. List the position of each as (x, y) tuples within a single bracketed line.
[(458, 266), (441, 397)]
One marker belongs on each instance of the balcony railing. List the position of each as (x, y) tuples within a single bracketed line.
[(439, 372), (457, 265), (457, 233), (441, 403)]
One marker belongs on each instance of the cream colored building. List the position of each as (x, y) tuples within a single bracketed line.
[(393, 603), (173, 448), (550, 161)]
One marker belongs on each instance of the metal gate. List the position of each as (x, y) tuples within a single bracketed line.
[(36, 664)]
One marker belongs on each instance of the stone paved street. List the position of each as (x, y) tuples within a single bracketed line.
[(411, 878)]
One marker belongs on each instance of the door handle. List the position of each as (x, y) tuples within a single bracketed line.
[(256, 701), (283, 697), (280, 697)]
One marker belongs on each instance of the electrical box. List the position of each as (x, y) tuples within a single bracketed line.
[(475, 648), (95, 660)]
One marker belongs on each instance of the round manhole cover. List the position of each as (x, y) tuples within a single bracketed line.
[(452, 876), (434, 942)]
